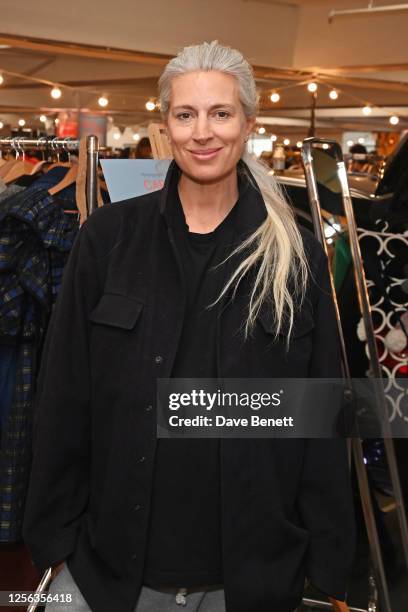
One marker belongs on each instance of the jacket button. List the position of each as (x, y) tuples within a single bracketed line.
[(158, 359), (149, 408), (142, 459), (137, 507), (134, 557)]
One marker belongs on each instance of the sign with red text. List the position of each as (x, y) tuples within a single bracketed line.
[(128, 178)]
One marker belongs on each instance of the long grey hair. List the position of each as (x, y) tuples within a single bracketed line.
[(276, 252)]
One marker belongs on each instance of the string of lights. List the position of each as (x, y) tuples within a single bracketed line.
[(334, 93), (56, 89), (312, 84)]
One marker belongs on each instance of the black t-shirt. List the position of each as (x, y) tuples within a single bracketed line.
[(184, 541)]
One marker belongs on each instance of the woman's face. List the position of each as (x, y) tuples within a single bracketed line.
[(206, 125)]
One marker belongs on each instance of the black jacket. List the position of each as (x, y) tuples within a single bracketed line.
[(286, 504)]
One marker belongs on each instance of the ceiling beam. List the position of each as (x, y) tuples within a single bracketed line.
[(81, 50), (123, 55), (36, 69), (37, 110), (334, 78), (134, 81), (386, 110), (365, 83), (401, 67)]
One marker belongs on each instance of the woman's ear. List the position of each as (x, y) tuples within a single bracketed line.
[(250, 124)]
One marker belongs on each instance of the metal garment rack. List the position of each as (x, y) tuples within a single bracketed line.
[(92, 154), (377, 582), (46, 144)]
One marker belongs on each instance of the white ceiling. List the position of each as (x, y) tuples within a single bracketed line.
[(366, 56)]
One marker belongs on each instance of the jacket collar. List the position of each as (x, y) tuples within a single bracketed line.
[(251, 206)]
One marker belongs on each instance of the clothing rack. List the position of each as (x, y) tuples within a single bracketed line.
[(51, 144), (378, 585), (46, 144)]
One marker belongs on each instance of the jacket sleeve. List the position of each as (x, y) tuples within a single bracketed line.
[(58, 488), (325, 501)]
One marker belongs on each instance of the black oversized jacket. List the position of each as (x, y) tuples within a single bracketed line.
[(286, 504)]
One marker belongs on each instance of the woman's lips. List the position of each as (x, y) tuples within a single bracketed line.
[(205, 153)]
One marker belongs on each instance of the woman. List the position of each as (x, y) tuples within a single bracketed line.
[(209, 277)]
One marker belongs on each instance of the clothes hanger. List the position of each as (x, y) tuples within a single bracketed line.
[(20, 167), (8, 164), (6, 167), (68, 180), (80, 191), (40, 164), (58, 163), (37, 167), (159, 140)]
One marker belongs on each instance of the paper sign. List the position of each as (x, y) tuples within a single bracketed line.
[(128, 178)]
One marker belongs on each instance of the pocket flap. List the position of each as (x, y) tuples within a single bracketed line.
[(303, 322), (117, 310)]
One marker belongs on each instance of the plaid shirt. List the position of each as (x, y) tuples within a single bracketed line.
[(35, 240)]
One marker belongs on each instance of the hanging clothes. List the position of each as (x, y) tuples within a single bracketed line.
[(384, 248), (10, 191), (341, 261), (36, 237)]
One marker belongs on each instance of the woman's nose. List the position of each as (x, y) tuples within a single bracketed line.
[(202, 129)]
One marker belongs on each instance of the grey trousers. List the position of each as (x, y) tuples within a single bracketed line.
[(150, 600)]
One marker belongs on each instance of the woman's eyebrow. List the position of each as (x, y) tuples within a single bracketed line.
[(211, 108), (226, 105)]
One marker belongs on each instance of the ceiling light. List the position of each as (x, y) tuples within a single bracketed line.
[(136, 136), (350, 143), (299, 144), (394, 120), (56, 121), (116, 135), (1, 79), (286, 142), (56, 93), (21, 122), (43, 118), (103, 101), (261, 130), (325, 146), (361, 140), (312, 87), (275, 97), (1, 125), (274, 138), (150, 105), (333, 94), (367, 110)]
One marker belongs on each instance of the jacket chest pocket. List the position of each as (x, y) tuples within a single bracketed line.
[(116, 339), (117, 311), (301, 340)]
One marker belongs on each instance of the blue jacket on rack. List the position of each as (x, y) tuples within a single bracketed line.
[(35, 240)]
